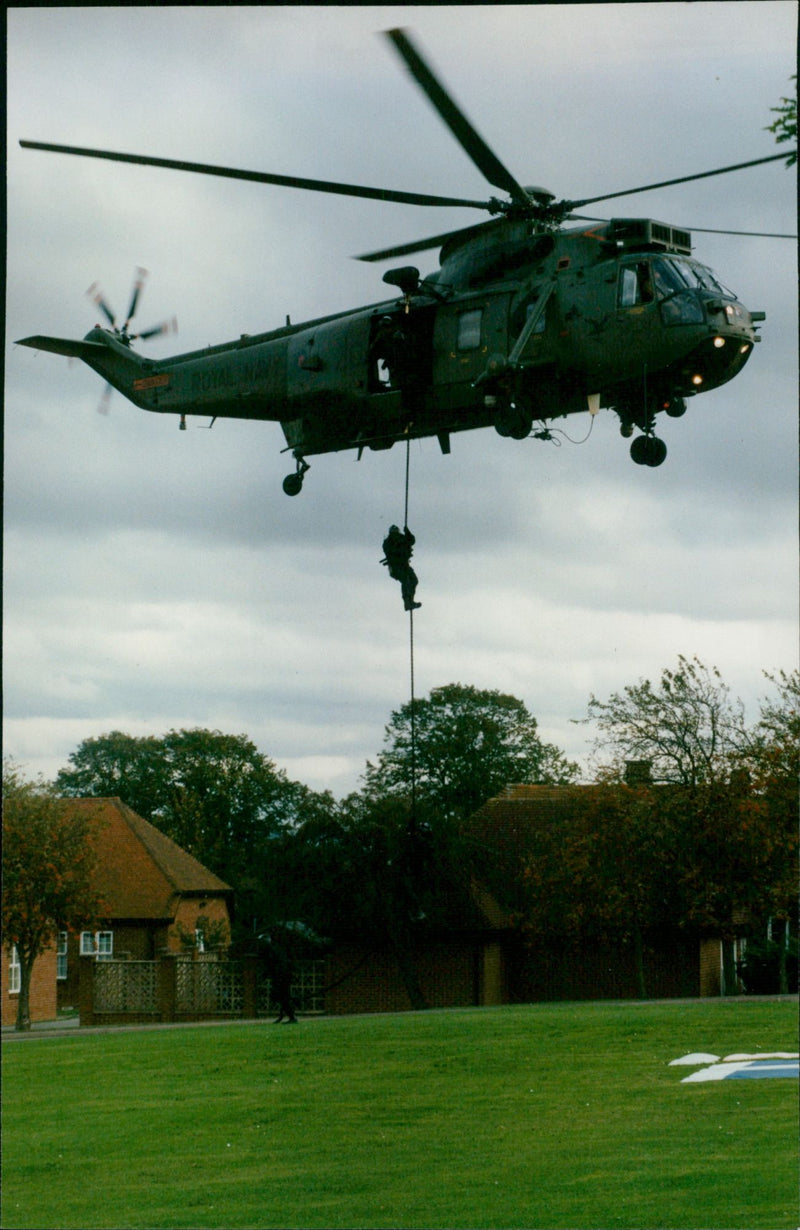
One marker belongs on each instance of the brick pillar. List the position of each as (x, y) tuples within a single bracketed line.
[(86, 990), (166, 983)]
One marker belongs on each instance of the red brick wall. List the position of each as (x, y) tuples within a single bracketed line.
[(369, 981), (43, 988), (215, 909), (710, 967), (605, 970)]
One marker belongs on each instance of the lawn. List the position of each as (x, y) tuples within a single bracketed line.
[(545, 1116)]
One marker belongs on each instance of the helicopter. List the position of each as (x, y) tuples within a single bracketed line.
[(525, 321)]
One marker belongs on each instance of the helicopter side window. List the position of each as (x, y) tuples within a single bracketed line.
[(469, 329), (635, 285)]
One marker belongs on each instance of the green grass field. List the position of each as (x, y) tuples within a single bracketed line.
[(550, 1116)]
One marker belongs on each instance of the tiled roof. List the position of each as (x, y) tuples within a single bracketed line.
[(521, 810), (142, 872)]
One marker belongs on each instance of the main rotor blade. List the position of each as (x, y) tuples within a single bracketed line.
[(470, 141), (262, 177), (417, 245), (666, 183), (710, 230)]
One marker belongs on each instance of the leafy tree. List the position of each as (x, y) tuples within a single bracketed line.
[(775, 748), (214, 794), (774, 766), (785, 126), (118, 765), (468, 745), (687, 728), (48, 866), (366, 869), (712, 848), (599, 867)]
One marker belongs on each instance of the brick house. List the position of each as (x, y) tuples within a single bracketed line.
[(676, 964), (154, 890), (42, 1001)]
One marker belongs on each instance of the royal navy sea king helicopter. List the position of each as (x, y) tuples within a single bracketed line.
[(525, 322)]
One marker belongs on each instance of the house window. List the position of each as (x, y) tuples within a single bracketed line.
[(469, 330), (105, 945), (98, 943), (61, 956), (13, 971)]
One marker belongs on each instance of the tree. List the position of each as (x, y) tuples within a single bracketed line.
[(468, 745), (688, 728), (785, 126), (214, 794), (365, 869), (598, 868), (774, 765), (48, 866), (113, 765)]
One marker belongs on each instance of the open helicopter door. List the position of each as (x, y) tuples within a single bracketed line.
[(400, 355)]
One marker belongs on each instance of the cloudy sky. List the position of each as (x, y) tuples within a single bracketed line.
[(158, 579)]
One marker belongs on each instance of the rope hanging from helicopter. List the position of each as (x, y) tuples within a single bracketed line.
[(398, 547), (413, 818)]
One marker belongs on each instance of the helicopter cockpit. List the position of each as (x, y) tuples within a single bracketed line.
[(682, 288)]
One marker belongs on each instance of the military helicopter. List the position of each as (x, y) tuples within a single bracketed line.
[(523, 323)]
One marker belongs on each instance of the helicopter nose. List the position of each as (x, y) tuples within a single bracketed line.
[(715, 361)]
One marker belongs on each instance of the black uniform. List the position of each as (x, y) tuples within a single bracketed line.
[(398, 547)]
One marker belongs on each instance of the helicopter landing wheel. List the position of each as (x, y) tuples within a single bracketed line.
[(293, 483), (648, 451), (675, 407), (512, 420)]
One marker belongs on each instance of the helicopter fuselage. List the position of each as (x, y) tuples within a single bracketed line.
[(523, 322), (517, 328)]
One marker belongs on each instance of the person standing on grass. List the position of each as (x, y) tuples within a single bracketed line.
[(279, 969)]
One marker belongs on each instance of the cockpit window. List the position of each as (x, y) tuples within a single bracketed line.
[(635, 285), (699, 276)]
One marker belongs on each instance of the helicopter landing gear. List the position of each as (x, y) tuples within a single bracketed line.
[(512, 420), (675, 407), (293, 483), (648, 451)]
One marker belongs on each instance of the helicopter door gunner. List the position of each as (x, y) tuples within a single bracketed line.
[(389, 353), (398, 547), (394, 362)]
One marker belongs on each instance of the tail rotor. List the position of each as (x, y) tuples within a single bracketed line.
[(123, 334)]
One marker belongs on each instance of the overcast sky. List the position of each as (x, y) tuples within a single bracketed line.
[(158, 579)]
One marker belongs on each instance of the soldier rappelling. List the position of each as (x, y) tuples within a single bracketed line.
[(398, 547)]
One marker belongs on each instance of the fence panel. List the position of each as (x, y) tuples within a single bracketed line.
[(196, 987), (206, 985), (308, 989), (125, 986)]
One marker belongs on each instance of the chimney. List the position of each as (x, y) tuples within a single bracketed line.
[(637, 773)]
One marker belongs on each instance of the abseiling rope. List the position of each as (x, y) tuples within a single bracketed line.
[(413, 821)]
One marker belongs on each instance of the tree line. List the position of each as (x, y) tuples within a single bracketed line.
[(710, 840)]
